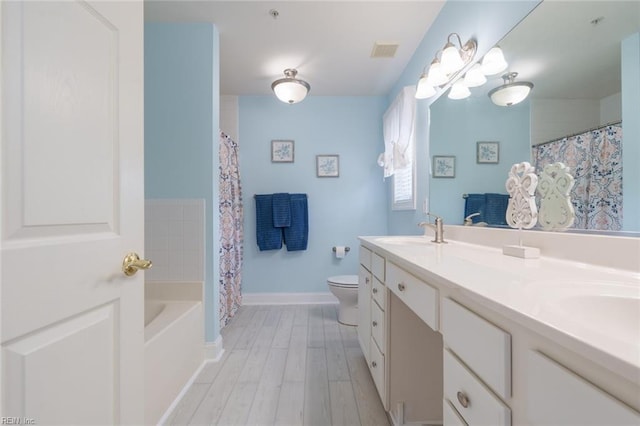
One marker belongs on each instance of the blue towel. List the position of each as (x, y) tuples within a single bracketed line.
[(474, 203), (281, 210), (268, 236), (297, 235), (495, 209)]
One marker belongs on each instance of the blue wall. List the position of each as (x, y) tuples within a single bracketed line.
[(487, 22), (456, 126), (631, 132), (181, 129), (340, 209)]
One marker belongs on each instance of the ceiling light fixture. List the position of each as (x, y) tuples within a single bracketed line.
[(511, 92), (290, 89), (445, 69)]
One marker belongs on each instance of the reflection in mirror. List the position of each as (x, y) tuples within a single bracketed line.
[(556, 210), (571, 52)]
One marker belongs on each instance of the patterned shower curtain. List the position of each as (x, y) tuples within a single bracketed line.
[(595, 161), (231, 230)]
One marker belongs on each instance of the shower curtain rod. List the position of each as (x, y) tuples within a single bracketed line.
[(613, 123)]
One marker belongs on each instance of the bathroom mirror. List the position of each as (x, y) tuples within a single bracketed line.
[(571, 52)]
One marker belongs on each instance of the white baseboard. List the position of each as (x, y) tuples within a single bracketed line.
[(288, 298), (213, 350)]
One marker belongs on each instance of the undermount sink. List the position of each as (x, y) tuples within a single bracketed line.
[(617, 315), (401, 239)]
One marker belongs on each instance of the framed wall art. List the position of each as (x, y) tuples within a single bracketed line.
[(444, 166), (282, 151), (487, 152), (328, 165)]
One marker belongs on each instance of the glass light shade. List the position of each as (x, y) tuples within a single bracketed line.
[(290, 90), (451, 60), (494, 62), (424, 90), (475, 77), (459, 91), (510, 94), (436, 76)]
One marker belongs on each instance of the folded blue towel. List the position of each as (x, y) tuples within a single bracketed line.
[(297, 235), (281, 210), (268, 236), (495, 209), (474, 203)]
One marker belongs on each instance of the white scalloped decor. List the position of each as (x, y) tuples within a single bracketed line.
[(521, 185), (556, 211)]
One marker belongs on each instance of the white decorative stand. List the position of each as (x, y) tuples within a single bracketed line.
[(521, 211), (556, 211)]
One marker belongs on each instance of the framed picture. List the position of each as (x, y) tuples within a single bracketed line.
[(444, 166), (282, 151), (327, 165), (487, 152)]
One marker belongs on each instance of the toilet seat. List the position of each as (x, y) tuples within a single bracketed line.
[(345, 281)]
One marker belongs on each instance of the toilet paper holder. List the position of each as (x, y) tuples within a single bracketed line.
[(346, 249)]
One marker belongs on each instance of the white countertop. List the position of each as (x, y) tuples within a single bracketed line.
[(594, 311)]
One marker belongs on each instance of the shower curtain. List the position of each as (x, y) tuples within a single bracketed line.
[(231, 230), (595, 161)]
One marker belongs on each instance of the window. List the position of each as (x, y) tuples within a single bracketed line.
[(404, 188)]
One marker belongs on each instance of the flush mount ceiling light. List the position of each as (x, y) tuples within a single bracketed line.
[(511, 92), (445, 69), (290, 89)]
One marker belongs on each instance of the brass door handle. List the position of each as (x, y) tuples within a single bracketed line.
[(132, 263)]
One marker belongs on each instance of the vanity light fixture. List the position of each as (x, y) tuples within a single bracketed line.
[(424, 89), (511, 92), (459, 91), (475, 77), (290, 89), (494, 62), (445, 69)]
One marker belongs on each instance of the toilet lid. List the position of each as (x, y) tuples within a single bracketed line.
[(344, 280)]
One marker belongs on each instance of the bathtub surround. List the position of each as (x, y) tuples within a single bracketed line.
[(181, 79), (174, 239), (339, 209)]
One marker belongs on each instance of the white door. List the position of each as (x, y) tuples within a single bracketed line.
[(72, 207)]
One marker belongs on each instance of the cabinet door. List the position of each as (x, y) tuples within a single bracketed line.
[(364, 311), (559, 396)]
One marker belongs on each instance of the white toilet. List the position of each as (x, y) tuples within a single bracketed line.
[(345, 288)]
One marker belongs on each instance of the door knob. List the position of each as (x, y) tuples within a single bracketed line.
[(132, 263)]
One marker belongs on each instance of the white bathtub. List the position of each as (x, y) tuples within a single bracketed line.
[(174, 350)]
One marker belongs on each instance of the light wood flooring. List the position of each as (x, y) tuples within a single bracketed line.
[(284, 365)]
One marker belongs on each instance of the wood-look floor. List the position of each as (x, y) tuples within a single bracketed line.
[(284, 365)]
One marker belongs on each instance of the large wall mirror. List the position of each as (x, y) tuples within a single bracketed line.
[(571, 52)]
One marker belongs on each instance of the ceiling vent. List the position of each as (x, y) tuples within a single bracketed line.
[(384, 50)]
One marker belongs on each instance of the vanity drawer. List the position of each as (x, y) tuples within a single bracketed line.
[(415, 293), (365, 257), (377, 266), (485, 348), (462, 388), (379, 293), (376, 365), (450, 415), (556, 395), (378, 326)]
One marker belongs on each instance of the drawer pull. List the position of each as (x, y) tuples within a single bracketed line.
[(463, 399), (374, 364), (375, 323), (401, 287), (375, 291), (366, 280)]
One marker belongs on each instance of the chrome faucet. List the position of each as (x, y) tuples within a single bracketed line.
[(438, 227), (468, 221)]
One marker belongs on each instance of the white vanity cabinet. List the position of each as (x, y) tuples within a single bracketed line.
[(556, 395), (365, 280)]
